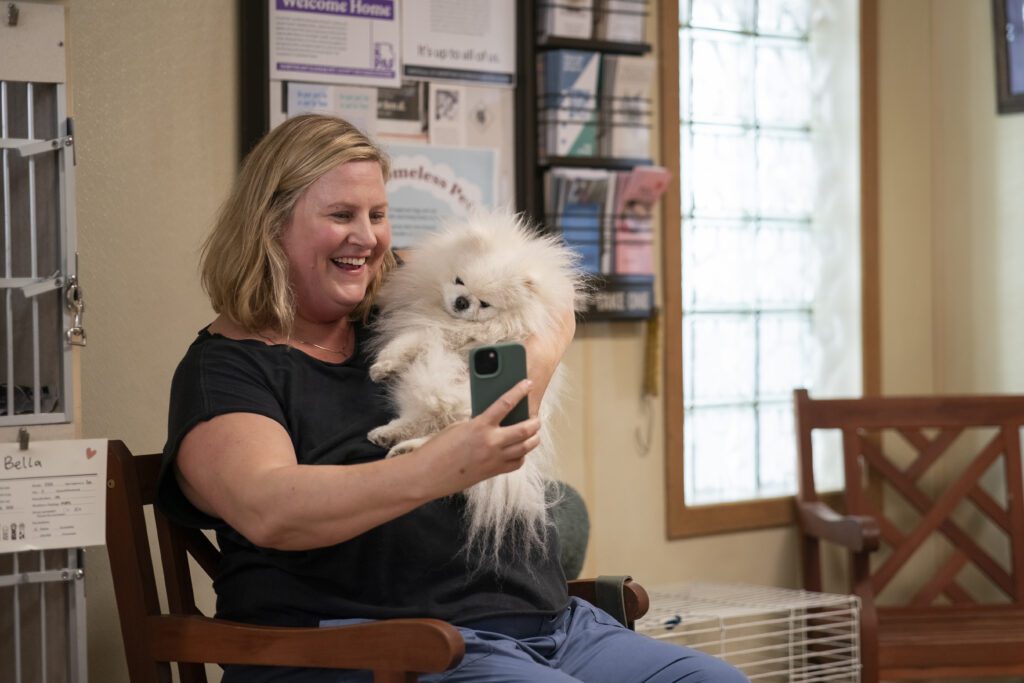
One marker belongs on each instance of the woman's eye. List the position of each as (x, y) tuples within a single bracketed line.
[(484, 304), (342, 216), (378, 217), (459, 281)]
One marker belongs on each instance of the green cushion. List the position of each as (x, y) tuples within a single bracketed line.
[(569, 513)]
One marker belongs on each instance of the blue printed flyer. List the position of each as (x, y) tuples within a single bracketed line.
[(430, 183)]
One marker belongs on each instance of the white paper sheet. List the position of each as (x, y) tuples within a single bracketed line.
[(470, 116), (53, 495), (472, 41)]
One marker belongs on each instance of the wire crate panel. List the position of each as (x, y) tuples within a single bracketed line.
[(770, 634), (42, 617)]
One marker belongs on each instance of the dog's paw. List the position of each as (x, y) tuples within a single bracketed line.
[(381, 436), (407, 446), (382, 369)]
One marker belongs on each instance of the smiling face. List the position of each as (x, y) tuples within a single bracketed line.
[(336, 239)]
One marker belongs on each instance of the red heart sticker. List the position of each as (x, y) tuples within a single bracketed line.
[(89, 452)]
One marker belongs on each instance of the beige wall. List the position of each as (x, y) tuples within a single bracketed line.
[(155, 100), (977, 210), (905, 156), (155, 105), (951, 205)]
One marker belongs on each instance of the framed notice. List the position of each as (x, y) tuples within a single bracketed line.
[(335, 41)]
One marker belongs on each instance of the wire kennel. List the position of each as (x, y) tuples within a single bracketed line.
[(770, 634)]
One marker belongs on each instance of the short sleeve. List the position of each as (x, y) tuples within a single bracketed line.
[(216, 377)]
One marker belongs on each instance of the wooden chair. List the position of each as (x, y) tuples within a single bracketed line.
[(395, 650), (934, 627)]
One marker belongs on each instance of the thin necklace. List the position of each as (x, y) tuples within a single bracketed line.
[(343, 351), (324, 348)]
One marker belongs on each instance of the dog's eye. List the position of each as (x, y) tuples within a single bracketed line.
[(458, 281), (484, 304)]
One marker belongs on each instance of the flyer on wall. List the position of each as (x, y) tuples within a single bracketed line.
[(471, 116), (469, 42), (430, 183), (53, 495), (356, 105), (335, 41)]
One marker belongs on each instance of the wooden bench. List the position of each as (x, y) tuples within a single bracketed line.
[(939, 622)]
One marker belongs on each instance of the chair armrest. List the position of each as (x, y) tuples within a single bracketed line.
[(855, 532), (419, 645), (634, 595)]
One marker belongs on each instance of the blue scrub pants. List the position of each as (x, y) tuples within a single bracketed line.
[(583, 643)]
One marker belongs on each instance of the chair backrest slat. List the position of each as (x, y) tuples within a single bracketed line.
[(147, 473), (132, 486), (130, 564), (1015, 506)]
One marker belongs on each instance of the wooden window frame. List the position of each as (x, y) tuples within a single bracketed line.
[(681, 520)]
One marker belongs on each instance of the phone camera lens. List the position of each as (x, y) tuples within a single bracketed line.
[(485, 362)]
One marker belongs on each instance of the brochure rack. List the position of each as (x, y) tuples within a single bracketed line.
[(618, 296)]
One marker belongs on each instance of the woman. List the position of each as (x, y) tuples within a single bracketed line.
[(267, 440)]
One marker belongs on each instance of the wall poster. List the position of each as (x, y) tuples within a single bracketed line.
[(429, 183), (335, 41)]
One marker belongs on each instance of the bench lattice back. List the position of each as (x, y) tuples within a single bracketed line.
[(936, 430)]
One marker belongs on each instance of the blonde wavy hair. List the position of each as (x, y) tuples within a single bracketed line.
[(243, 265)]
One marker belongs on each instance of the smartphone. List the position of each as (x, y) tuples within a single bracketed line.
[(493, 370)]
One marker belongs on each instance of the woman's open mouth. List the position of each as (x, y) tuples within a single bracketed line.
[(349, 262)]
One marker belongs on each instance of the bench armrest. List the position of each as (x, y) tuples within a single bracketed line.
[(855, 532)]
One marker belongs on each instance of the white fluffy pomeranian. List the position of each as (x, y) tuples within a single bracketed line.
[(485, 279)]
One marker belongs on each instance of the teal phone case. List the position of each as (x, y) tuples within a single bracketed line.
[(486, 388)]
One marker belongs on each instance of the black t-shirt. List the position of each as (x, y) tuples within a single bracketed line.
[(411, 566)]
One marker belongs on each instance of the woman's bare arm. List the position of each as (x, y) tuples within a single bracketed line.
[(544, 353), (241, 467)]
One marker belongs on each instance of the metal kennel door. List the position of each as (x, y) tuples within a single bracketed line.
[(40, 301), (42, 593)]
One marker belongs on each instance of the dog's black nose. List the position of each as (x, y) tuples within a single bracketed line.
[(461, 303)]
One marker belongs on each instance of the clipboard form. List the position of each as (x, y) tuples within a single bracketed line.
[(53, 495)]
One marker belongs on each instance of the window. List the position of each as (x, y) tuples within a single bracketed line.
[(763, 261)]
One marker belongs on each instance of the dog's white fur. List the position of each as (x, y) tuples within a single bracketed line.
[(510, 283)]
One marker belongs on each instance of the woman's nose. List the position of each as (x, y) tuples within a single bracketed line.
[(362, 233)]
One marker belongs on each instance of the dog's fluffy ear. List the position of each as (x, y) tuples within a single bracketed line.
[(470, 239)]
